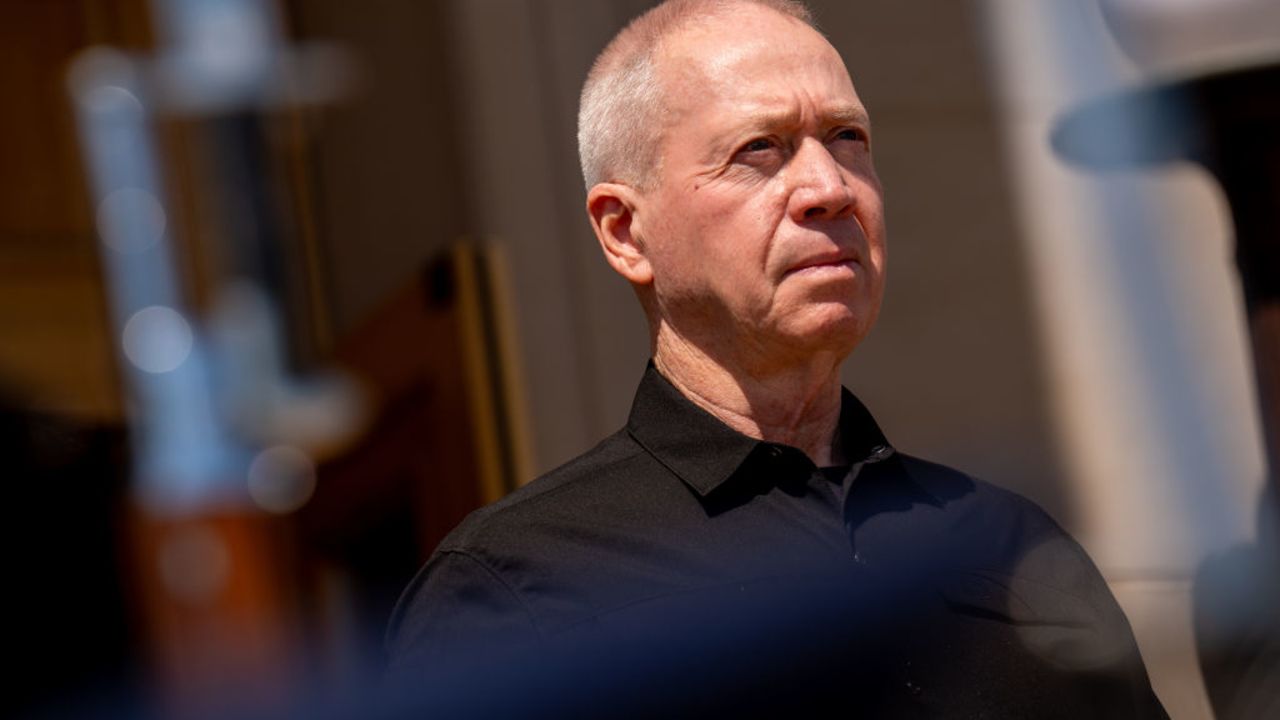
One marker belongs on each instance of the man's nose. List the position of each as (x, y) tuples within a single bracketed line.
[(820, 190)]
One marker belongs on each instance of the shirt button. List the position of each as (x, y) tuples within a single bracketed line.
[(880, 452)]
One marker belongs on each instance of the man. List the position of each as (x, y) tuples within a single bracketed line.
[(750, 542)]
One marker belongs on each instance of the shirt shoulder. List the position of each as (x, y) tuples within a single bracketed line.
[(532, 563), (591, 478), (999, 540), (997, 511)]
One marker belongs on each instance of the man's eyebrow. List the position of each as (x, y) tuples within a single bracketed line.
[(771, 119), (850, 115), (842, 115)]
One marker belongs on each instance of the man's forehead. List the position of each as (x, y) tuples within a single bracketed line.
[(742, 34), (762, 83), (716, 54)]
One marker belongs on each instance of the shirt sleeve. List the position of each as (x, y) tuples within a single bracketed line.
[(457, 612), (1074, 622)]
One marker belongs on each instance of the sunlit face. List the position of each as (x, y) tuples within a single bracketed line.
[(765, 228)]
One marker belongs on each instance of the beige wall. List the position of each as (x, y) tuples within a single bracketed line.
[(1138, 301)]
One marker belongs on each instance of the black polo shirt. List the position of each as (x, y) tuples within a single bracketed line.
[(682, 567)]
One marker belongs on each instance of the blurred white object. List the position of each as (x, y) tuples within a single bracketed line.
[(1169, 37), (1139, 309), (205, 397)]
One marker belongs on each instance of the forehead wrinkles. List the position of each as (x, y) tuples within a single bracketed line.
[(822, 92)]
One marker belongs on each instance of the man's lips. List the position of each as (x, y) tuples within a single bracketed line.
[(829, 260)]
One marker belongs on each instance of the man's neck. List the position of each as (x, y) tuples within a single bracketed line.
[(796, 404)]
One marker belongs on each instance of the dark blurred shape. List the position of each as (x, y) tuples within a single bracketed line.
[(1237, 625), (69, 626), (1225, 122)]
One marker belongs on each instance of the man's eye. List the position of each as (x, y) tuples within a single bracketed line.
[(758, 145), (853, 134)]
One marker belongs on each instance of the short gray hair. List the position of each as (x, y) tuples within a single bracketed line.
[(620, 114)]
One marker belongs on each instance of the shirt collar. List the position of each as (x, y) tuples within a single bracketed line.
[(705, 453)]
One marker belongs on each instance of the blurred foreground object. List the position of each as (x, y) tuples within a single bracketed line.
[(1225, 120), (224, 436), (1192, 36)]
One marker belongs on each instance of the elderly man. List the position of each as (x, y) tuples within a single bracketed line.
[(750, 541)]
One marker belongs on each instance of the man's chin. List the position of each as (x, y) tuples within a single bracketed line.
[(829, 330)]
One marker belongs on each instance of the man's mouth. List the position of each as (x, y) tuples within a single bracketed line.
[(833, 262)]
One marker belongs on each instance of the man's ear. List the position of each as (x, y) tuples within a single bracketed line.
[(612, 209)]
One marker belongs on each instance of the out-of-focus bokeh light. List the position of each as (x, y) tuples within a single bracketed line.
[(157, 339), (281, 479), (131, 220), (227, 41)]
